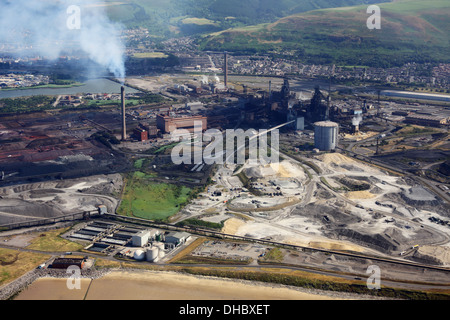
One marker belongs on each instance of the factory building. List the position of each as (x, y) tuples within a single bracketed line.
[(195, 106), (319, 108), (168, 124), (140, 134), (425, 120), (326, 135), (401, 113), (177, 238), (64, 263), (144, 132), (300, 124), (141, 238), (152, 131)]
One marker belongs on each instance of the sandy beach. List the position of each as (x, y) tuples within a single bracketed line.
[(150, 285)]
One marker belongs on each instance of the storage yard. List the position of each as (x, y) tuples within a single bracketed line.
[(351, 205), (38, 147), (52, 199)]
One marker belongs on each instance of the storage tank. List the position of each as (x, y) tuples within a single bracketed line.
[(325, 135), (152, 254), (139, 255), (160, 247)]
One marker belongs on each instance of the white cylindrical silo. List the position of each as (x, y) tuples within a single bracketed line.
[(139, 255), (160, 247), (325, 135), (152, 253)]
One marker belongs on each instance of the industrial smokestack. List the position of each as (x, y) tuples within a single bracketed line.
[(124, 124), (270, 90), (225, 69)]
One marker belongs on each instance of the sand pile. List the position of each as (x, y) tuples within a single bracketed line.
[(232, 225), (336, 162), (335, 246), (360, 136), (336, 158), (288, 169), (360, 195), (260, 171), (284, 169), (433, 254)]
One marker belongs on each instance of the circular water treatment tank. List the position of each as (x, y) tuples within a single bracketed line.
[(139, 255), (152, 253)]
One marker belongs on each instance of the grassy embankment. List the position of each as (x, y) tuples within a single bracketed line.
[(15, 263)]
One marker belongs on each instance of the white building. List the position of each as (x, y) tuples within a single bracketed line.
[(141, 238)]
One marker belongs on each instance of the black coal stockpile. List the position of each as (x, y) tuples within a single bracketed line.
[(48, 170)]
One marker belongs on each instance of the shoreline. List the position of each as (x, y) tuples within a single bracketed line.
[(49, 86), (137, 284)]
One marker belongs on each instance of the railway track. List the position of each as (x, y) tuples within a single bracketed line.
[(40, 222), (206, 232)]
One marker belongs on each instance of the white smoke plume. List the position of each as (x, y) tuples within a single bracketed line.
[(291, 103), (40, 27), (204, 79), (357, 120)]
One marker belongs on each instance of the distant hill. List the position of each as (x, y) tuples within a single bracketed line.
[(165, 18), (411, 30)]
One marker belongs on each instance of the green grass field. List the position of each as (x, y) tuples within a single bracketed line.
[(164, 18), (129, 102), (150, 55), (52, 241), (198, 21), (144, 198), (15, 263)]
